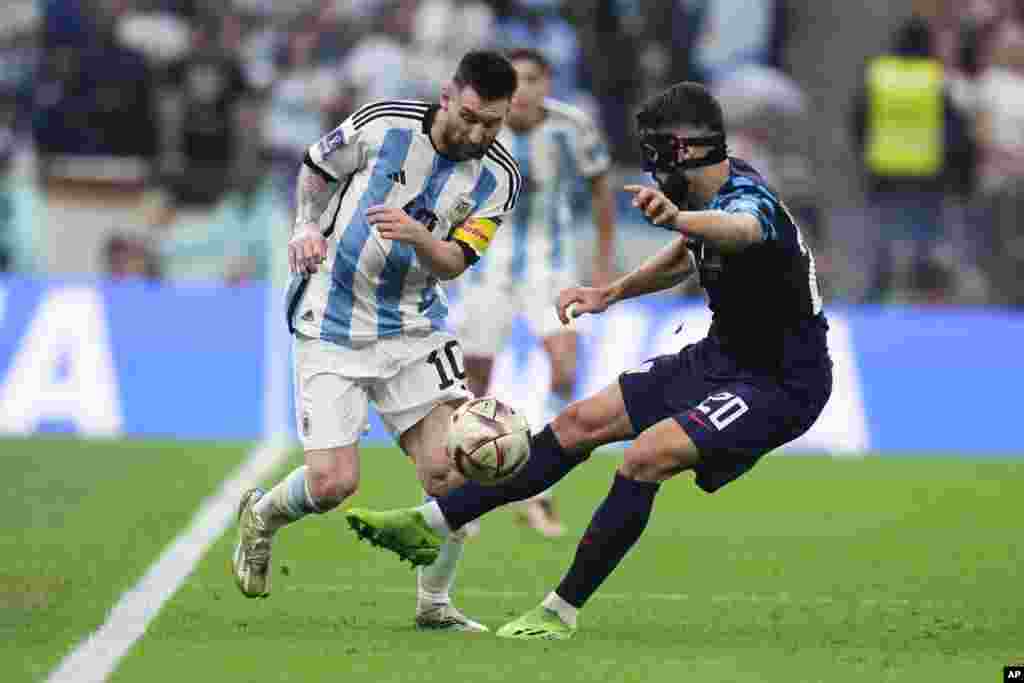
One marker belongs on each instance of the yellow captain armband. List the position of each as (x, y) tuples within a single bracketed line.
[(477, 233)]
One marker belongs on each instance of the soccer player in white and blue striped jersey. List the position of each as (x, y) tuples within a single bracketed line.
[(400, 196), (534, 257)]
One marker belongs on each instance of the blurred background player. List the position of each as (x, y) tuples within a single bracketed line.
[(534, 257), (401, 195)]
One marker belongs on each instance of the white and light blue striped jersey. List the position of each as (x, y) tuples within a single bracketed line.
[(370, 287), (552, 156)]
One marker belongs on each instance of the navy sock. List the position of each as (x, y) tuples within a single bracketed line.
[(548, 463), (613, 530)]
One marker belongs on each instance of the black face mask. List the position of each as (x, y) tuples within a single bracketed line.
[(661, 154)]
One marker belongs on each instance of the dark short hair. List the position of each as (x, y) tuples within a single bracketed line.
[(529, 54), (489, 73), (684, 104)]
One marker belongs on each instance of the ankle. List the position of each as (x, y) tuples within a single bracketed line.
[(563, 609)]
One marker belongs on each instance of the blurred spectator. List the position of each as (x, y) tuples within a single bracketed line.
[(209, 91), (540, 24), (915, 147), (767, 119), (712, 37), (1000, 134), (231, 243), (94, 96), (442, 31), (294, 117), (381, 64), (1000, 117), (612, 61), (130, 257)]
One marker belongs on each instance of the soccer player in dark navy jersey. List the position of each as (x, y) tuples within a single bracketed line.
[(758, 380)]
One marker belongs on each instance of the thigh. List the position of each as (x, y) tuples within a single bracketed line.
[(431, 373), (600, 419), (662, 387), (330, 409), (737, 423), (485, 319), (660, 452)]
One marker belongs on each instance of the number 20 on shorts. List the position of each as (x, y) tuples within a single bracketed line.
[(723, 408)]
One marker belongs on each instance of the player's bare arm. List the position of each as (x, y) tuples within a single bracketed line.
[(728, 232), (445, 259), (307, 248), (603, 208), (667, 268)]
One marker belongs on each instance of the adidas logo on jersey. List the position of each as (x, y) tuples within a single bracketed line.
[(397, 177), (308, 316)]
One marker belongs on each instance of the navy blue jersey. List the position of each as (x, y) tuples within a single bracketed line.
[(765, 300)]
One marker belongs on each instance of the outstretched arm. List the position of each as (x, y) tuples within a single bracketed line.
[(728, 232), (668, 268)]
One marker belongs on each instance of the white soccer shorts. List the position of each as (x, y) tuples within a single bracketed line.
[(488, 311), (404, 377)]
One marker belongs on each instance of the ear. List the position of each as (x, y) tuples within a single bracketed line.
[(447, 94)]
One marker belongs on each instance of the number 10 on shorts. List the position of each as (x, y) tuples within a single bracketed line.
[(437, 359), (723, 408)]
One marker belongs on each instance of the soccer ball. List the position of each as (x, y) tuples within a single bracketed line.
[(488, 441)]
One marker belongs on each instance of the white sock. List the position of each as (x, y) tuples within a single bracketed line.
[(546, 494), (560, 607), (287, 502), (435, 518), (434, 582)]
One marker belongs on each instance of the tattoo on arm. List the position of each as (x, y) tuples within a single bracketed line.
[(313, 193)]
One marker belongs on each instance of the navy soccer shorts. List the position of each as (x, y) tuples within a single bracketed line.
[(732, 414)]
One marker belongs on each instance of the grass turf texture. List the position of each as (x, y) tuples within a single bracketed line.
[(809, 569), (80, 522)]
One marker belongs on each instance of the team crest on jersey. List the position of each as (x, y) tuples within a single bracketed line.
[(307, 426), (332, 141), (461, 209)]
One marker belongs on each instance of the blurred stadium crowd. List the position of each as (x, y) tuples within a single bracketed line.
[(161, 138)]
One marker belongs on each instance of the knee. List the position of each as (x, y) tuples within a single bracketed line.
[(437, 484), (578, 424), (330, 489), (563, 374), (644, 464)]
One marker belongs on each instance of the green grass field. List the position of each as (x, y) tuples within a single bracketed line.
[(810, 569)]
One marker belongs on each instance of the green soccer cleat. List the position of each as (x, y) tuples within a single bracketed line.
[(540, 623), (250, 563), (404, 532)]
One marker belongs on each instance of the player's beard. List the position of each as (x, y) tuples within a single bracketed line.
[(464, 151)]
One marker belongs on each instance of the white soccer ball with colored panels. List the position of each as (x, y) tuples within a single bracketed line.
[(488, 441)]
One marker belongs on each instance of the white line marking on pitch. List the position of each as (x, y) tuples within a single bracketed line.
[(96, 657)]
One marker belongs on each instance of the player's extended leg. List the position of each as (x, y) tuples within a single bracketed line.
[(658, 453), (331, 412), (424, 443), (540, 511), (328, 478), (554, 452)]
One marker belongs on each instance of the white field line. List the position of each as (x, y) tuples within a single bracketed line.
[(96, 657), (745, 598)]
